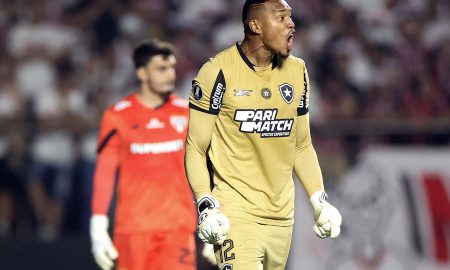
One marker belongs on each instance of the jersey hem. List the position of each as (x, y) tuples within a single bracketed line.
[(265, 221)]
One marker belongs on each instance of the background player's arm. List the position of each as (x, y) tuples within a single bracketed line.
[(107, 162), (106, 165)]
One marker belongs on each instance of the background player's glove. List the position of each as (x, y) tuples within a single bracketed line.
[(213, 225), (208, 253), (102, 247), (327, 218)]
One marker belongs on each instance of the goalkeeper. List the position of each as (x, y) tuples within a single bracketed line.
[(248, 131), (141, 141)]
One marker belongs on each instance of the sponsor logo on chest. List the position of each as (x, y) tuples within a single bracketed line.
[(156, 148), (242, 93), (264, 122)]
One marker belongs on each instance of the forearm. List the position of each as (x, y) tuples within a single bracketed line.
[(197, 171), (306, 164), (201, 126), (104, 177), (308, 171)]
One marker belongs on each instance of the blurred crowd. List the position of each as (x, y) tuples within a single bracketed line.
[(63, 61)]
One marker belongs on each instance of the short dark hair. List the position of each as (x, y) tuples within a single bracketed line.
[(246, 10), (149, 48)]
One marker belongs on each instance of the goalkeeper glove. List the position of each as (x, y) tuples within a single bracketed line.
[(213, 225), (327, 218), (102, 246)]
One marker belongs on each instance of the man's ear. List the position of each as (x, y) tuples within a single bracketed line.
[(141, 74), (254, 26)]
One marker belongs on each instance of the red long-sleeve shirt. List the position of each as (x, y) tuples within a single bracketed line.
[(146, 147)]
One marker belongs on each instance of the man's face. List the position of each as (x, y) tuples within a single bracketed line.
[(277, 27), (159, 74)]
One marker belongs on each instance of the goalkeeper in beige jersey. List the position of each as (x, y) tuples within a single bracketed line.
[(248, 131)]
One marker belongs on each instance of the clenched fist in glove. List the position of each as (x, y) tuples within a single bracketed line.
[(102, 247), (327, 218), (213, 225)]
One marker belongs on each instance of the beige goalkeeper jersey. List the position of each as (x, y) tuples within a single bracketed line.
[(248, 118)]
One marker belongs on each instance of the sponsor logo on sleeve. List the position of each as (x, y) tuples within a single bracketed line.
[(179, 102), (197, 91), (121, 105), (218, 92)]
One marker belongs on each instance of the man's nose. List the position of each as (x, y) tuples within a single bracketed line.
[(291, 23)]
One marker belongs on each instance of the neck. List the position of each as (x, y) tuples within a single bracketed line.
[(255, 51), (150, 98)]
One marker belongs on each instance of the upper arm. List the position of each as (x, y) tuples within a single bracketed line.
[(303, 106), (201, 126), (303, 134), (108, 138), (303, 127), (208, 89)]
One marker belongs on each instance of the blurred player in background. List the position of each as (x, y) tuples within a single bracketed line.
[(249, 129), (141, 141)]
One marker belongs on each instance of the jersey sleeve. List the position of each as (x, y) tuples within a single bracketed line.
[(306, 164), (303, 106), (108, 142), (199, 135), (208, 89), (106, 164)]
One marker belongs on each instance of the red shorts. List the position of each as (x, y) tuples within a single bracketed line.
[(156, 251)]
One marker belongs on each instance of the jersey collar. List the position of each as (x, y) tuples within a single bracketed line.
[(166, 100), (275, 58)]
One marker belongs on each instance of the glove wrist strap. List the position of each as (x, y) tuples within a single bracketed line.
[(207, 202), (318, 198)]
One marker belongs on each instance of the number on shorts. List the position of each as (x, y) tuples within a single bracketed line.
[(226, 253), (184, 257)]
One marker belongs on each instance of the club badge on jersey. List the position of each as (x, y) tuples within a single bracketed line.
[(178, 122), (287, 92)]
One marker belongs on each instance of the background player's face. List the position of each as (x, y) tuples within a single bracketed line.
[(277, 27), (159, 74)]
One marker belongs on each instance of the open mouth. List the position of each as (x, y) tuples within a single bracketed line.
[(290, 41)]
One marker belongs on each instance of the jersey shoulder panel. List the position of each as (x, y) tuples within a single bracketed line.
[(122, 105), (225, 58), (297, 61), (178, 102), (209, 85), (303, 106)]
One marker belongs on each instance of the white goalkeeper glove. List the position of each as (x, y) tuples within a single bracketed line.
[(327, 218), (213, 225), (208, 253), (102, 247)]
